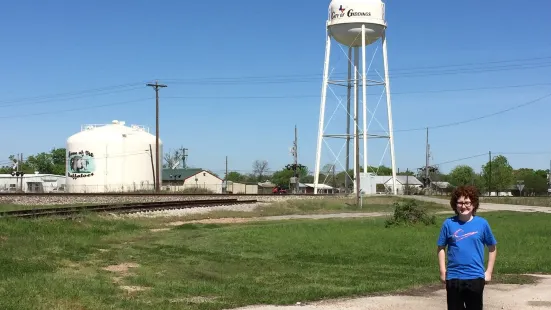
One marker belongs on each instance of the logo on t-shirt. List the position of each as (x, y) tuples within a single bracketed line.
[(458, 236)]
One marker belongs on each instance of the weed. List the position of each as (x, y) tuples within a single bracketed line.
[(408, 212)]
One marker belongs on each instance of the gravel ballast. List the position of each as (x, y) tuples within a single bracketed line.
[(104, 199)]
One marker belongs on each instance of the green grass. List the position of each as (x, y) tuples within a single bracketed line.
[(57, 264)]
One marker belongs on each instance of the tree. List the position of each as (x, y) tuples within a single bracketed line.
[(260, 169), (463, 175), (49, 163), (535, 181), (502, 177), (45, 163), (283, 177), (173, 159), (237, 177)]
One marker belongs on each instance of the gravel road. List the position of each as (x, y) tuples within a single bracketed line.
[(496, 296), (490, 206)]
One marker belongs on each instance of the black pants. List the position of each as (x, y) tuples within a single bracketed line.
[(465, 294)]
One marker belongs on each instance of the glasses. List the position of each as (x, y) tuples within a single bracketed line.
[(463, 203)]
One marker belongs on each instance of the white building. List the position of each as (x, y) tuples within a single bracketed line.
[(308, 188), (241, 188), (402, 181), (32, 183), (190, 179)]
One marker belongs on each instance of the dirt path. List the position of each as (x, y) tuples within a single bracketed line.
[(496, 296)]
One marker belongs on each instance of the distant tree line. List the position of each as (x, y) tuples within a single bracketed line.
[(52, 162), (499, 176), (495, 176)]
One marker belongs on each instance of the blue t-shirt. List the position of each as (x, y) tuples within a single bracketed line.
[(465, 241)]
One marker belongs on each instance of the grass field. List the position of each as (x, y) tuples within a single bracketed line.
[(96, 263)]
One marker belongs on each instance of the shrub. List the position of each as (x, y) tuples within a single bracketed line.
[(196, 190), (408, 212)]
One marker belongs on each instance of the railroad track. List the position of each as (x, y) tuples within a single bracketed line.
[(5, 194), (122, 208)]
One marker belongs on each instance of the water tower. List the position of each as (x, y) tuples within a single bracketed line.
[(355, 24)]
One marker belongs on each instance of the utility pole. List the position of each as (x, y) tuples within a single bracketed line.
[(490, 174), (184, 158), (226, 177), (295, 154), (18, 164), (334, 180), (427, 159), (156, 86), (549, 175)]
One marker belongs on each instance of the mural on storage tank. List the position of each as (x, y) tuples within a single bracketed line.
[(80, 164)]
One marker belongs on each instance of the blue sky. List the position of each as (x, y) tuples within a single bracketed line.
[(206, 52)]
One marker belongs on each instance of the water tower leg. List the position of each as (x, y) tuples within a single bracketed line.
[(355, 117), (347, 178), (364, 101), (389, 109), (322, 111), (356, 124)]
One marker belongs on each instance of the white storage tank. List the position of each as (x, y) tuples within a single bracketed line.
[(111, 158)]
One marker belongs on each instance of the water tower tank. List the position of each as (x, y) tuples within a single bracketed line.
[(346, 18), (111, 158)]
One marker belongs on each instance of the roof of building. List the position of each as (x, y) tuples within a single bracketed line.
[(402, 179), (31, 175), (180, 174), (441, 184), (320, 185)]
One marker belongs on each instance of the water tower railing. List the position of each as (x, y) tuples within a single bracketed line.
[(140, 127), (90, 126)]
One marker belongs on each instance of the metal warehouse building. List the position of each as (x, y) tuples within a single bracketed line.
[(32, 183)]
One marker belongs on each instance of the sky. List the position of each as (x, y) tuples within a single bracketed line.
[(242, 74)]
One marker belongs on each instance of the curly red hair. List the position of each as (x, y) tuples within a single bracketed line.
[(467, 191)]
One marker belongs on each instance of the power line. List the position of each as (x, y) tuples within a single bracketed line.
[(74, 93), (478, 118), (460, 159), (409, 70), (377, 95), (77, 109), (296, 78), (276, 97), (522, 153), (21, 103)]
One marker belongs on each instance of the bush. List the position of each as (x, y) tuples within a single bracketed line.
[(408, 212), (196, 190)]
